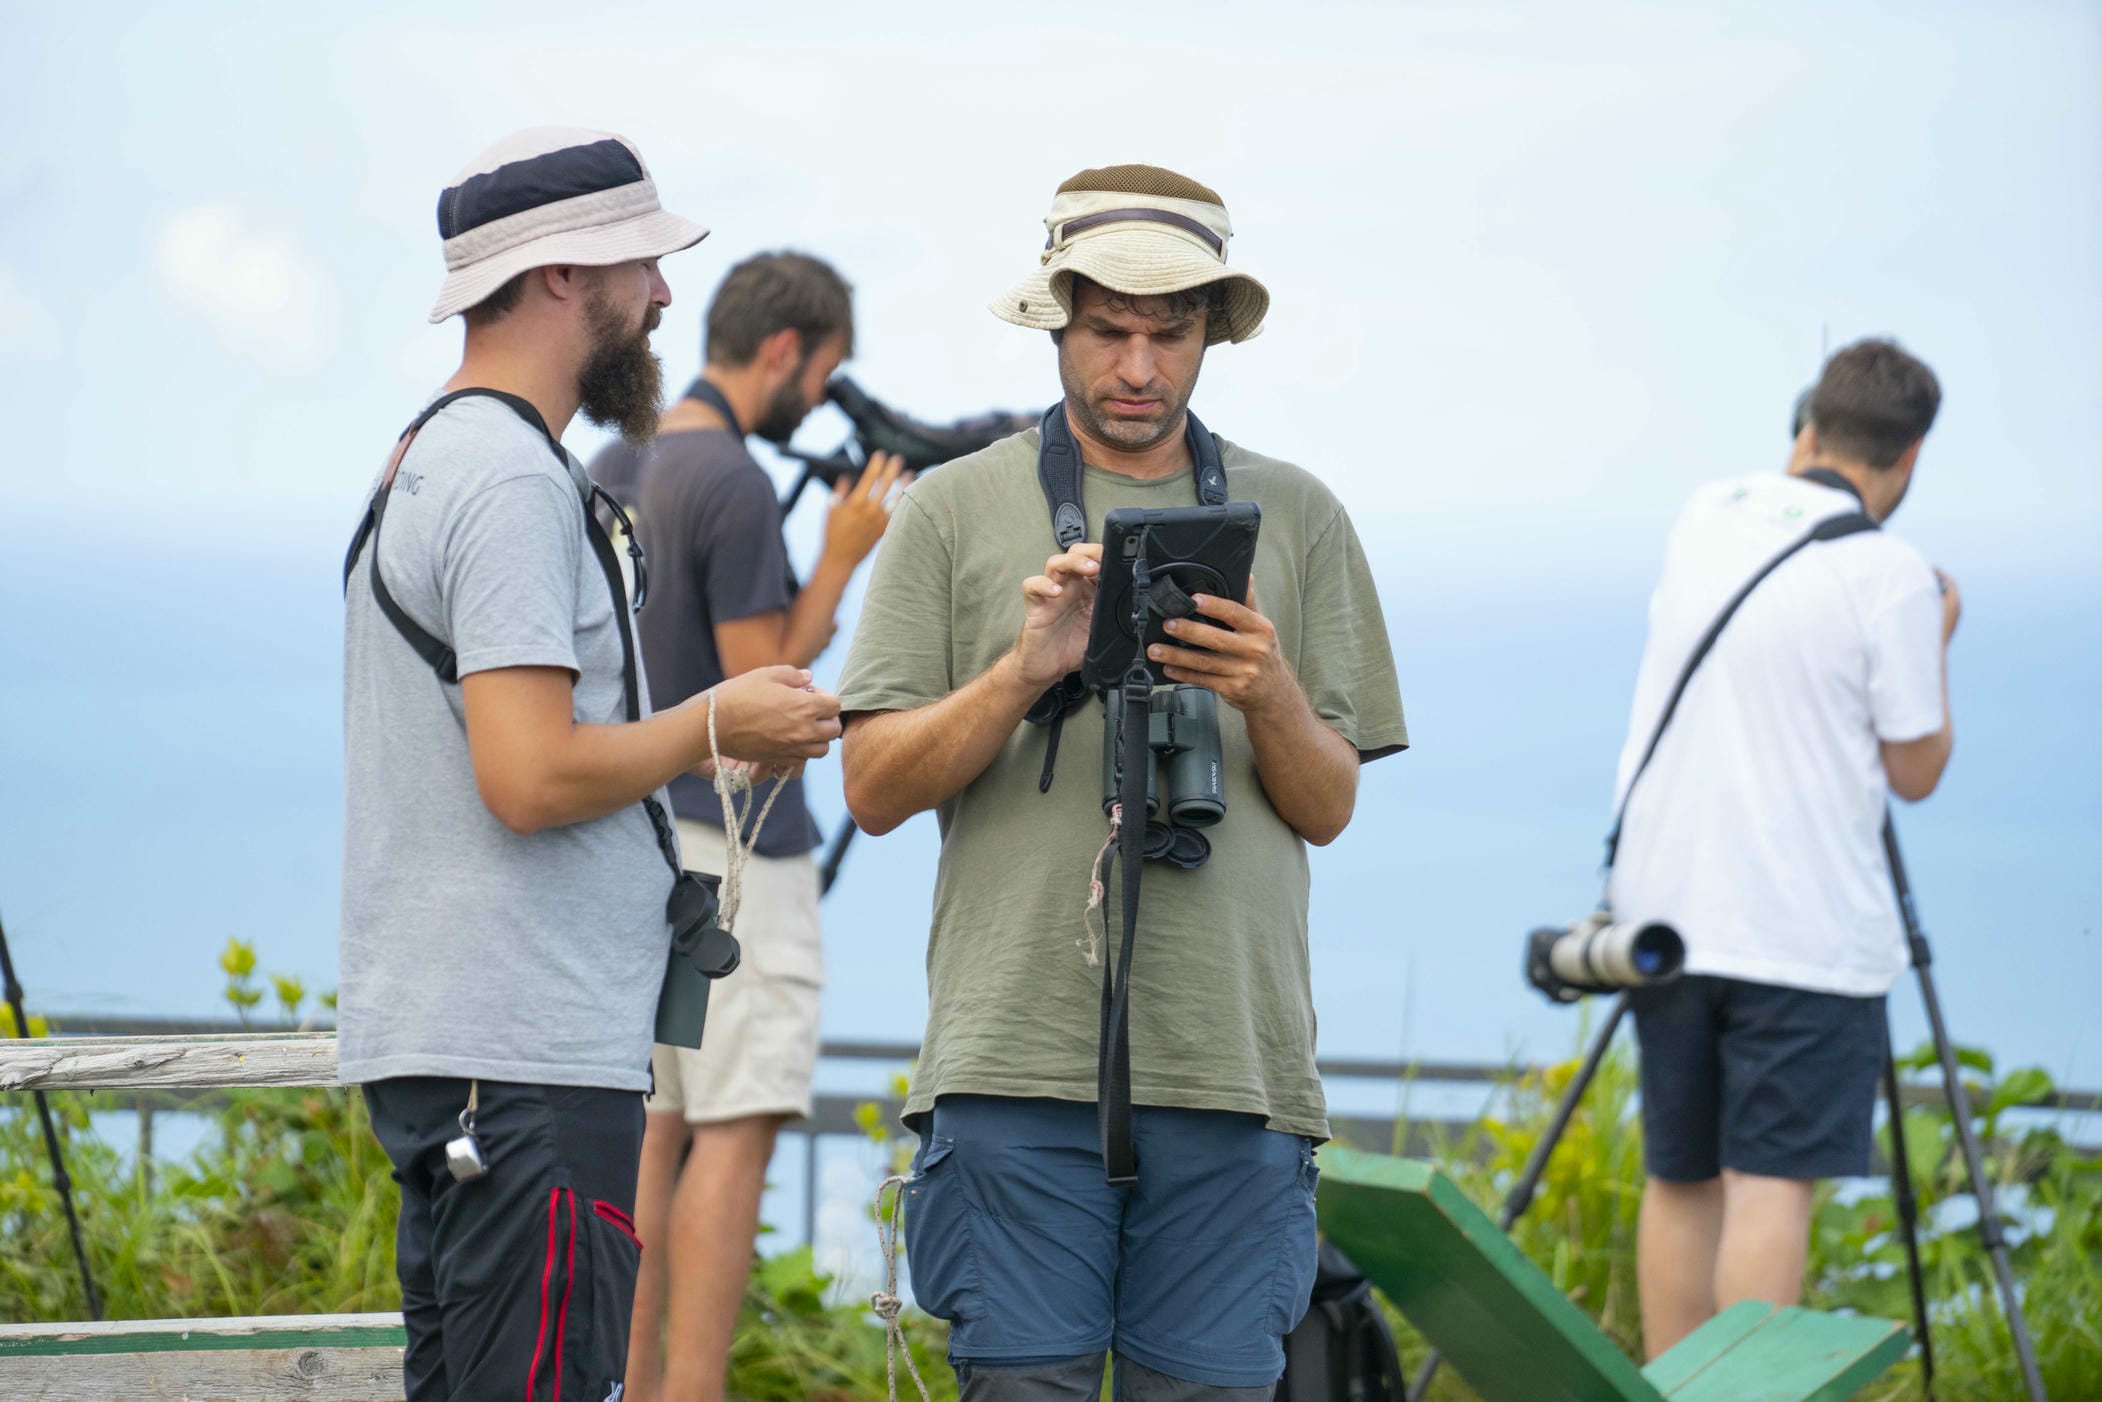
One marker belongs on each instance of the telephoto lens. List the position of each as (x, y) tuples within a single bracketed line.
[(1184, 726), (1598, 954)]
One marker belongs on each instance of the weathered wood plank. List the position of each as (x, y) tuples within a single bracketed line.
[(228, 1375), (105, 1063), (316, 1358)]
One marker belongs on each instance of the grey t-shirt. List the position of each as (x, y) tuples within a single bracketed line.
[(467, 949), (710, 526)]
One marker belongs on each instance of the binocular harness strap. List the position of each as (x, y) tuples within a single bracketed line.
[(1059, 472), (439, 656), (1113, 1056)]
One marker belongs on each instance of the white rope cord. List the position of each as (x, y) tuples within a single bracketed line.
[(1098, 891), (727, 783), (885, 1302)]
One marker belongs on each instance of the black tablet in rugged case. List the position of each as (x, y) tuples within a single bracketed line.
[(1189, 550)]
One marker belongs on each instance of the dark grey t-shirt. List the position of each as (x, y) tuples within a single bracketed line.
[(710, 525)]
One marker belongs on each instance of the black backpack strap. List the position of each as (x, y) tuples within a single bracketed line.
[(1831, 528), (439, 656), (435, 653)]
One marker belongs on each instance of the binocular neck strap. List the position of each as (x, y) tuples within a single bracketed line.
[(710, 394), (1113, 1053), (1059, 472)]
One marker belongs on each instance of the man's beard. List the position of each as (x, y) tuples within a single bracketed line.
[(785, 412), (1129, 435), (622, 383)]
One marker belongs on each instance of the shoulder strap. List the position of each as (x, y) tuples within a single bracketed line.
[(1059, 473), (441, 657), (1832, 528), (706, 390), (434, 652)]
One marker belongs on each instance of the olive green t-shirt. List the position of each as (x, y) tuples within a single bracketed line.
[(1222, 1013)]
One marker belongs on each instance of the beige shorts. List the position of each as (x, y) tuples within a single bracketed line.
[(759, 1047)]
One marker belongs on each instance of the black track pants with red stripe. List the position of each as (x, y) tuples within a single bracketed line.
[(516, 1286)]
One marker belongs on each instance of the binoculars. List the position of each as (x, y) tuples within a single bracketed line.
[(1182, 758)]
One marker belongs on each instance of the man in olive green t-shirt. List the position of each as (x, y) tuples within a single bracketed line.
[(1194, 1272)]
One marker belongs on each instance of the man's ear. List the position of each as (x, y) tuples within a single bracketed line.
[(1903, 466), (565, 282), (782, 352)]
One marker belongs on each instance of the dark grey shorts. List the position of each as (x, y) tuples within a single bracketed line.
[(1757, 1078)]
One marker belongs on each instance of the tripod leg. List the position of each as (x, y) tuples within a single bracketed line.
[(1960, 1112), (828, 871), (1521, 1195), (1981, 1185), (60, 1179), (1908, 1222)]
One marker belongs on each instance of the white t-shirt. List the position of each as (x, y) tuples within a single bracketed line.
[(1756, 831)]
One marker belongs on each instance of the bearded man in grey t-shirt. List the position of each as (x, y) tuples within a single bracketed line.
[(504, 930)]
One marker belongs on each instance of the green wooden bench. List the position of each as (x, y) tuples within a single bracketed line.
[(317, 1358), (1513, 1336)]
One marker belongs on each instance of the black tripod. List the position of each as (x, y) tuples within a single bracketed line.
[(1521, 1195), (59, 1176)]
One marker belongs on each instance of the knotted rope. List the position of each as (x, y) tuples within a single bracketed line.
[(1098, 890), (885, 1302), (731, 781)]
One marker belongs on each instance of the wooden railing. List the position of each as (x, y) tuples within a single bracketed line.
[(357, 1358)]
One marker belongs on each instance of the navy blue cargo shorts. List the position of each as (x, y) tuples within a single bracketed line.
[(1757, 1078), (1197, 1271)]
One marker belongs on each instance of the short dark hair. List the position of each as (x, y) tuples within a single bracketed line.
[(773, 292), (493, 307), (1873, 402), (1209, 298)]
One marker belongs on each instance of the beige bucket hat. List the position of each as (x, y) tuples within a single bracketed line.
[(1142, 231), (549, 195)]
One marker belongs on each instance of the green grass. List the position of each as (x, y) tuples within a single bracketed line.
[(287, 1208)]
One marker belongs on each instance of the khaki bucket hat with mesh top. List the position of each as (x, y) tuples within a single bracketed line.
[(546, 196), (1142, 231)]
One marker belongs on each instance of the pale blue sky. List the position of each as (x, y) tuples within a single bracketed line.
[(1537, 271)]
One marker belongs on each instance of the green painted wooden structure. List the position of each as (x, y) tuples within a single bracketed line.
[(1514, 1337)]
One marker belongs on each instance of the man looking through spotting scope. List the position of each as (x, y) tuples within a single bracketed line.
[(968, 633), (1756, 832), (511, 899), (724, 603)]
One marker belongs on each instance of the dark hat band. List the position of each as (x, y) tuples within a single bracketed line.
[(518, 186), (1126, 216)]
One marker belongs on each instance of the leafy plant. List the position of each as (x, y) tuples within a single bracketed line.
[(287, 1208)]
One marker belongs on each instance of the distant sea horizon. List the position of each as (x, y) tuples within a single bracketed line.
[(170, 777)]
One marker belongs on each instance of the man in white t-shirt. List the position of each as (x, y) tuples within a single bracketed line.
[(1756, 832)]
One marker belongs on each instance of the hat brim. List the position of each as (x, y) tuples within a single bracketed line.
[(651, 235), (1138, 262)]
